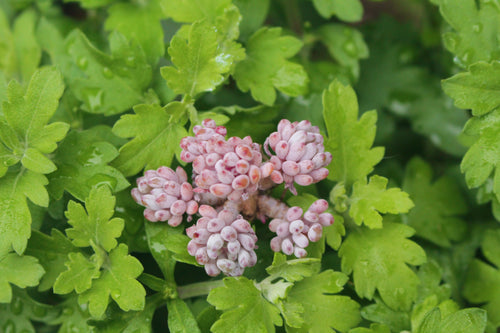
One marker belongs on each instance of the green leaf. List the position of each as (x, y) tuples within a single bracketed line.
[(369, 200), (482, 160), (379, 312), (107, 84), (379, 258), (482, 278), (180, 318), (155, 138), (374, 328), (19, 50), (266, 66), (245, 310), (22, 271), (22, 310), (94, 226), (27, 113), (254, 13), (72, 316), (293, 270), (168, 245), (146, 17), (193, 10), (52, 252), (15, 217), (200, 63), (324, 311), (346, 10), (82, 161), (465, 321), (349, 139), (438, 205), (430, 275), (477, 89), (78, 276), (129, 322), (475, 24), (118, 280), (345, 45)]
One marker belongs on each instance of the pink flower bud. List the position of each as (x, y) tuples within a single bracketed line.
[(296, 227), (215, 242), (244, 151), (311, 150), (181, 175), (283, 229), (277, 177), (299, 252), (273, 139), (291, 168), (178, 207), (199, 164), (220, 190), (294, 213), (311, 217), (186, 192), (201, 256), (296, 151), (319, 206), (246, 241), (162, 215), (191, 207), (301, 240), (281, 150), (303, 180), (242, 226), (230, 159), (315, 232), (276, 244), (175, 220), (233, 247), (172, 188), (243, 258), (241, 182), (319, 174), (287, 246), (266, 169), (228, 234), (212, 269), (242, 166), (326, 219)]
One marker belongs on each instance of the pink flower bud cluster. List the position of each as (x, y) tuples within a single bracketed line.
[(295, 231), (166, 194), (226, 168), (299, 155), (222, 241)]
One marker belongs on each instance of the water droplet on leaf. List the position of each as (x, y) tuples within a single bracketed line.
[(94, 98), (100, 179), (82, 63), (107, 73), (16, 307), (350, 48)]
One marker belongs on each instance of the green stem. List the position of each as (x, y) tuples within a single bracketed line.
[(293, 16), (198, 289)]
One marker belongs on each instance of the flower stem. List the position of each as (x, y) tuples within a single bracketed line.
[(198, 289)]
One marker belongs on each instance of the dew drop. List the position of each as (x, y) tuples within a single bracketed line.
[(107, 73), (93, 157), (9, 327), (477, 28), (39, 311), (130, 61), (116, 294), (68, 311), (350, 48), (16, 307), (82, 63), (94, 98), (100, 179)]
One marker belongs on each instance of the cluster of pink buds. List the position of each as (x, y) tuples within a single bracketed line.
[(222, 241), (229, 181), (299, 155), (166, 194), (294, 231)]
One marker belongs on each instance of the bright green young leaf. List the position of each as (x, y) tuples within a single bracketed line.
[(146, 17), (19, 51), (430, 275), (82, 163), (369, 200), (482, 278), (22, 271), (477, 89), (180, 317), (168, 245), (470, 320), (345, 45), (26, 115), (118, 280), (324, 311), (254, 13), (245, 310), (293, 270), (108, 84), (482, 160), (15, 217), (52, 252), (379, 258), (379, 312), (78, 276), (346, 10), (19, 315), (94, 225), (129, 322), (438, 205), (200, 63), (374, 328), (155, 138), (72, 316), (193, 10), (266, 66), (476, 29), (349, 140)]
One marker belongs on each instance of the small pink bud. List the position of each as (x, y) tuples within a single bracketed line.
[(186, 191), (246, 241), (215, 242), (242, 226), (210, 123), (283, 229), (276, 244), (276, 177), (243, 258), (242, 166), (266, 169), (187, 156), (178, 207), (199, 164), (306, 166), (287, 131), (254, 174), (228, 234), (167, 173), (233, 247), (296, 151), (175, 220), (212, 158), (303, 180), (296, 227), (201, 256), (299, 252), (244, 152), (311, 217), (287, 246), (241, 182), (315, 232), (193, 247), (191, 207), (273, 139), (319, 206), (207, 211), (181, 175), (294, 213), (326, 219), (282, 124), (281, 149), (319, 174), (291, 168), (301, 240), (220, 190), (212, 269), (163, 215), (172, 188), (311, 150), (230, 159)]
